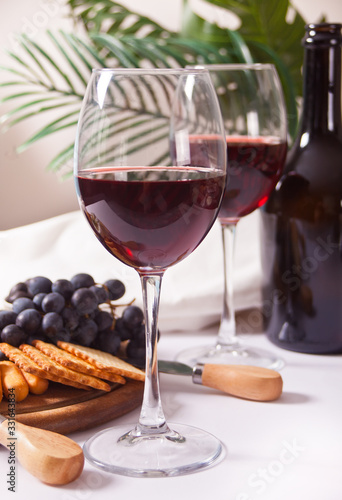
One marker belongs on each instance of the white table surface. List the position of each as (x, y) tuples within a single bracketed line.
[(287, 449), (290, 449)]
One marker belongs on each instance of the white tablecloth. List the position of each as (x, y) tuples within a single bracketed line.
[(286, 449)]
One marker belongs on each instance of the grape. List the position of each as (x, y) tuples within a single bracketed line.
[(21, 304), (116, 289), (135, 351), (29, 320), (63, 335), (18, 287), (123, 331), (138, 335), (86, 332), (132, 317), (84, 301), (3, 356), (53, 302), (39, 284), (38, 299), (13, 335), (82, 280), (18, 290), (70, 317), (52, 323), (7, 318), (104, 320), (17, 295), (64, 287), (138, 338), (101, 294), (37, 336), (108, 341)]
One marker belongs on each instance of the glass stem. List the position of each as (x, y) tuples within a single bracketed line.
[(227, 331), (152, 418)]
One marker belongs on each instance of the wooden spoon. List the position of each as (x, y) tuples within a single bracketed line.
[(53, 458)]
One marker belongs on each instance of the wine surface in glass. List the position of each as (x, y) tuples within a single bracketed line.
[(150, 217), (254, 167)]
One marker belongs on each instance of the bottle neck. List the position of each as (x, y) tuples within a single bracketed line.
[(322, 91)]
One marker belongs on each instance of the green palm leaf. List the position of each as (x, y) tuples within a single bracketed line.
[(50, 103), (115, 48), (48, 87), (63, 159), (266, 36), (65, 121), (106, 16)]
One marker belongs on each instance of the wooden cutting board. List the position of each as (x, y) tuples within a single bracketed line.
[(64, 409)]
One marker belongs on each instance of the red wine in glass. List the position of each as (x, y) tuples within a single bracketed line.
[(254, 167), (150, 217)]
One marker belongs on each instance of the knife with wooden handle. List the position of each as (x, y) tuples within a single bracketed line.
[(53, 458), (243, 381)]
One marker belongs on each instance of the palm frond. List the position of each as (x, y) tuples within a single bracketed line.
[(265, 35), (106, 16), (63, 160), (45, 87), (116, 48), (50, 103), (65, 121), (287, 81)]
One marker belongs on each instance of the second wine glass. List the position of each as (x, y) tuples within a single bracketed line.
[(254, 115)]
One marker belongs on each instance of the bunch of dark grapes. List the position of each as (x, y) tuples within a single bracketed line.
[(76, 310)]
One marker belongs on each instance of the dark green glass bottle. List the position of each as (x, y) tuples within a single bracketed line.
[(301, 224)]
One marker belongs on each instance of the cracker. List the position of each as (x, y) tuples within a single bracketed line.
[(51, 366), (28, 365), (68, 360), (103, 360)]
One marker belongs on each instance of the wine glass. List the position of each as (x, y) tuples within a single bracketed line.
[(150, 200), (254, 115)]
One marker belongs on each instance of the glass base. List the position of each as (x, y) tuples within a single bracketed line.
[(235, 354), (182, 450)]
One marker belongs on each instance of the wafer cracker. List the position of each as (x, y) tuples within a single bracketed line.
[(51, 366), (103, 360), (28, 365), (68, 360)]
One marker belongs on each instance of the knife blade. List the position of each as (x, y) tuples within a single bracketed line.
[(243, 381)]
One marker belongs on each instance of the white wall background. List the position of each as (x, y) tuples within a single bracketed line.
[(29, 193)]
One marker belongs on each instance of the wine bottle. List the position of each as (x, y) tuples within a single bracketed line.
[(301, 224)]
